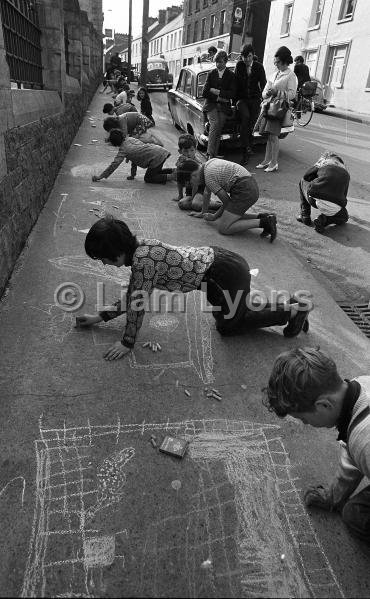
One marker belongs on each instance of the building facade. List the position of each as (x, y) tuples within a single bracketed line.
[(225, 24), (168, 43), (334, 38)]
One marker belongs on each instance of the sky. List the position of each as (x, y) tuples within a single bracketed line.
[(116, 13)]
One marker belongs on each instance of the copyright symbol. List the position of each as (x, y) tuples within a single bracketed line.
[(69, 297)]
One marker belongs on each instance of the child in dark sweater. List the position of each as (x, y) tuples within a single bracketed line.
[(145, 104), (325, 186)]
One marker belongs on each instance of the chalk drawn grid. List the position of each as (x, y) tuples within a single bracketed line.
[(255, 463)]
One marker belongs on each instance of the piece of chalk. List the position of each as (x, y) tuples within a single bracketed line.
[(243, 386), (254, 272), (91, 210), (206, 565), (215, 391), (187, 393), (146, 344), (154, 444), (153, 437), (282, 557), (216, 397), (177, 383), (115, 207), (159, 347), (78, 145), (154, 348)]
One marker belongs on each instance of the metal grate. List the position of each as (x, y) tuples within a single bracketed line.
[(360, 314), (22, 41)]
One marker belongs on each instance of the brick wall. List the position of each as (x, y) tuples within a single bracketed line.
[(34, 154)]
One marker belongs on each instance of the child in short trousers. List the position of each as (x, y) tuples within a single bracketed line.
[(325, 186), (305, 384), (187, 148), (149, 156), (237, 190), (222, 274)]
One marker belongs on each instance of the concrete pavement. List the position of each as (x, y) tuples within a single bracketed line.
[(348, 115), (89, 507)]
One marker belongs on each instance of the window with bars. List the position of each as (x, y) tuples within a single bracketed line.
[(347, 10), (22, 41), (316, 14), (190, 6), (287, 19)]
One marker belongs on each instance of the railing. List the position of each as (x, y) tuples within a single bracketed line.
[(22, 42)]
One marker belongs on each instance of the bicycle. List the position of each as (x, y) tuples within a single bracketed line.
[(304, 104)]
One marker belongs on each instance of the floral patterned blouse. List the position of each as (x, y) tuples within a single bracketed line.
[(158, 265)]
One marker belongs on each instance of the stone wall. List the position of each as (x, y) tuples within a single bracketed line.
[(37, 127)]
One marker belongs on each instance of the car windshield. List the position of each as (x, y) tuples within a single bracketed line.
[(156, 66)]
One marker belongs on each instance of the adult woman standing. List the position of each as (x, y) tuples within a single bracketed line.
[(283, 80), (219, 89)]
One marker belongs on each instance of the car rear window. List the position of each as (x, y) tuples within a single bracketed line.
[(200, 83)]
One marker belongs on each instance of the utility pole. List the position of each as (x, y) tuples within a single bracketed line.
[(144, 44), (129, 41)]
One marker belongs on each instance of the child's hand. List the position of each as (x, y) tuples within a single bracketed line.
[(196, 214), (116, 352), (209, 216), (319, 497), (87, 320), (95, 178)]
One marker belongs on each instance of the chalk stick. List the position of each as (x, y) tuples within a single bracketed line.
[(115, 207), (187, 393), (159, 347), (91, 210), (146, 344), (216, 391), (153, 443)]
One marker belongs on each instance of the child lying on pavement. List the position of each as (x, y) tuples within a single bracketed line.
[(237, 190), (325, 186), (305, 384), (223, 274), (149, 156)]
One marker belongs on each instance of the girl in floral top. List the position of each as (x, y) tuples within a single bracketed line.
[(222, 274)]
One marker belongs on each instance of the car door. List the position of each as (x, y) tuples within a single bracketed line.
[(184, 93)]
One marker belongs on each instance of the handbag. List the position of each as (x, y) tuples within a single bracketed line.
[(278, 107)]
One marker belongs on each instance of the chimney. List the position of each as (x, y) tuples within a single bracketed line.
[(162, 17), (172, 12)]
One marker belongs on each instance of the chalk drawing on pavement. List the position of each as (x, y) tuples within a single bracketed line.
[(10, 483), (111, 480), (243, 513), (61, 323), (85, 266)]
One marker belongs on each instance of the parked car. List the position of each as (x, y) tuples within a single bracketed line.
[(185, 104), (319, 100), (158, 75)]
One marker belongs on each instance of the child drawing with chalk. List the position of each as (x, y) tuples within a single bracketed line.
[(146, 155), (221, 273), (305, 384)]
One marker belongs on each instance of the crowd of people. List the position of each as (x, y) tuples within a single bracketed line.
[(304, 383)]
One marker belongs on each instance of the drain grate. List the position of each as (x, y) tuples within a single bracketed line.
[(360, 314)]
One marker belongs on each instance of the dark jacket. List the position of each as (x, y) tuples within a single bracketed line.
[(302, 73), (227, 87), (252, 86), (328, 183)]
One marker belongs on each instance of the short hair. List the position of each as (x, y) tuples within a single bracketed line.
[(109, 238), (111, 122), (186, 141), (116, 137), (247, 49), (284, 54), (107, 108), (298, 378), (299, 59), (212, 49), (221, 55), (185, 170)]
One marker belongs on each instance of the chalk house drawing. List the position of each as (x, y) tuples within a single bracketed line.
[(246, 505)]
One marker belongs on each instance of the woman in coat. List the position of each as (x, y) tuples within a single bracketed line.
[(283, 80)]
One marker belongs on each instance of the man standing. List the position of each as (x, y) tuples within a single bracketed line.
[(301, 71), (219, 89), (250, 80)]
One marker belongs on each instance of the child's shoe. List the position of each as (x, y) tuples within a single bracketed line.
[(305, 220), (268, 223), (299, 322), (320, 223)]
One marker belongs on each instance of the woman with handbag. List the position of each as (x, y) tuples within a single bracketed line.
[(279, 90)]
